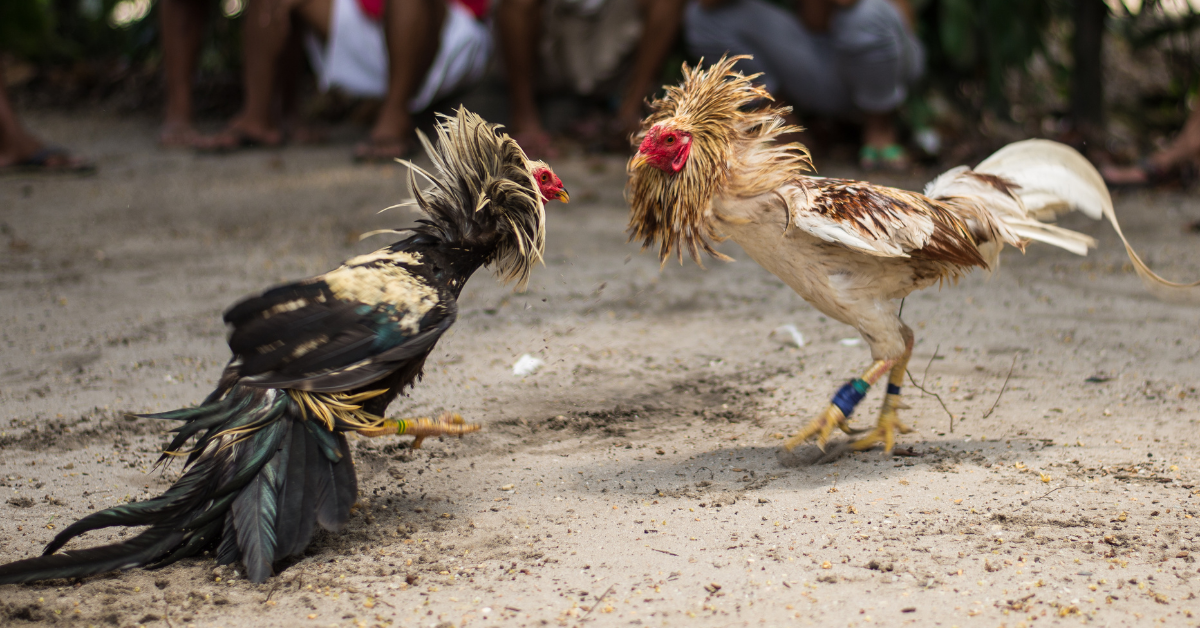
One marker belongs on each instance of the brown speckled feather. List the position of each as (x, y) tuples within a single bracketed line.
[(883, 221)]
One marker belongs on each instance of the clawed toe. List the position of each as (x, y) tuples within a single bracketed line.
[(884, 432), (821, 427), (852, 431)]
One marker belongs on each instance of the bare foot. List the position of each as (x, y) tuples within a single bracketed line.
[(1149, 171), (239, 135), (382, 150), (1125, 175), (49, 159)]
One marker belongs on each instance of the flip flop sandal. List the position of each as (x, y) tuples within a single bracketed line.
[(42, 161), (868, 158), (892, 158), (241, 141)]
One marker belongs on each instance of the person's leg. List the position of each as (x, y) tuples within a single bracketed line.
[(20, 147), (519, 27), (1186, 146), (293, 125), (267, 28), (661, 20), (877, 58), (1162, 164), (796, 64), (181, 23), (412, 29)]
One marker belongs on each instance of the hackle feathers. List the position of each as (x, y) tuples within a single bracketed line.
[(713, 105), (483, 190)]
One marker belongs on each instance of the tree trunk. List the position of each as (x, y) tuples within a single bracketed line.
[(1087, 84)]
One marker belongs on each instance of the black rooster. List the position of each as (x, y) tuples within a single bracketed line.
[(315, 359)]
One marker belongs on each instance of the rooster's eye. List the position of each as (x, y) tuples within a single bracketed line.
[(545, 177), (670, 139)]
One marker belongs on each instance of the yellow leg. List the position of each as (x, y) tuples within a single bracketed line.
[(889, 423), (843, 404), (449, 423)]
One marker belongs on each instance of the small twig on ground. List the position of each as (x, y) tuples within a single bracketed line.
[(1003, 387), (664, 551), (1050, 491), (598, 601), (932, 394), (167, 614), (928, 364)]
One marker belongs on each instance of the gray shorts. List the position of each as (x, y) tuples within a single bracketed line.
[(865, 63)]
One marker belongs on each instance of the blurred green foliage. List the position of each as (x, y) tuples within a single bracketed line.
[(58, 31), (1174, 33), (66, 31), (24, 26), (979, 41)]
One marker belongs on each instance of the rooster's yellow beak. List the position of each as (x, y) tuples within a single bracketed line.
[(637, 161), (564, 197)]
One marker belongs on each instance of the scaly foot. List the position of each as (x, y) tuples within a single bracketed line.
[(448, 424), (884, 432), (821, 427)]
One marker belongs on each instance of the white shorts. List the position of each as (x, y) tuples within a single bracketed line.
[(355, 57)]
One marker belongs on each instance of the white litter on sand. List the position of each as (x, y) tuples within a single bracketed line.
[(850, 342), (788, 335), (527, 365)]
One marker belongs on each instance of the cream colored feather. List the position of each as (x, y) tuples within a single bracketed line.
[(1053, 179)]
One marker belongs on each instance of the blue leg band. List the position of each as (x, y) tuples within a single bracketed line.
[(849, 395), (893, 389)]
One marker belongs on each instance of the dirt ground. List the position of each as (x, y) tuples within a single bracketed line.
[(634, 479)]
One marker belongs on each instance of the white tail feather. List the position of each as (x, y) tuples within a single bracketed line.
[(1053, 179)]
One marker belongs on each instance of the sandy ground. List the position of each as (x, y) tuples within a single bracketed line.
[(634, 479)]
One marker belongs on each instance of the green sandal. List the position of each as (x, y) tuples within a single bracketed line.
[(892, 158)]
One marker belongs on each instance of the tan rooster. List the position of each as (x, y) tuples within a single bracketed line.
[(708, 167)]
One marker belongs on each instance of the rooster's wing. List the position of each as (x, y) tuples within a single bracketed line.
[(344, 329), (879, 221)]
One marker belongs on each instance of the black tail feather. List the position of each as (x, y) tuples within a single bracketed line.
[(325, 440), (205, 417), (138, 551), (202, 538), (345, 484), (292, 514), (255, 510), (258, 482), (228, 551)]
